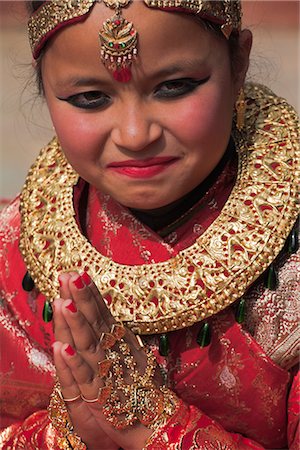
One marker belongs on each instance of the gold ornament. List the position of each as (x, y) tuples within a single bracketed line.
[(118, 42), (227, 13), (204, 278), (240, 106), (60, 420), (51, 15), (118, 36), (138, 401)]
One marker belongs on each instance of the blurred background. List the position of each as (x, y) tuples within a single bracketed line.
[(25, 124)]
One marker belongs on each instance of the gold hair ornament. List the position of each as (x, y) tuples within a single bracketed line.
[(227, 13), (118, 42), (52, 16), (118, 36)]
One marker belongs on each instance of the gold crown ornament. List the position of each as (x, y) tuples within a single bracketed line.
[(118, 36)]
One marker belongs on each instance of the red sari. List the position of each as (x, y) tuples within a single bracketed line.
[(235, 393)]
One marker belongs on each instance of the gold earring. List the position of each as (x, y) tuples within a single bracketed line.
[(240, 107)]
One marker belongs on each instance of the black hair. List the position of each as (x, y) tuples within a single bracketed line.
[(33, 6)]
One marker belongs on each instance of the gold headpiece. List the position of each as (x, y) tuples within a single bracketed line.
[(118, 37)]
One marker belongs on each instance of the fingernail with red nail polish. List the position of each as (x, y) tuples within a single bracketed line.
[(78, 283), (86, 278), (69, 350), (71, 307)]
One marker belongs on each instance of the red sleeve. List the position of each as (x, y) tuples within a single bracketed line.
[(294, 414), (34, 432), (190, 429), (27, 370)]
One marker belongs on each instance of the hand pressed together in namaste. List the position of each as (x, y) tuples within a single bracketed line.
[(84, 354)]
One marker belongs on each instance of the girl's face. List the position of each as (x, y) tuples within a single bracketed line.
[(148, 142)]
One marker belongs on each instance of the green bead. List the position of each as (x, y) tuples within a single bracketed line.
[(27, 282), (47, 312), (204, 335), (293, 241), (163, 345), (240, 312), (271, 278), (111, 44)]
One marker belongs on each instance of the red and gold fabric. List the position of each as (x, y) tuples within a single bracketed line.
[(240, 392)]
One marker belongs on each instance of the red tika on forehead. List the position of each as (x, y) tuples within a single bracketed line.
[(118, 36)]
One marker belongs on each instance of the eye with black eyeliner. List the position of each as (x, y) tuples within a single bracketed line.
[(177, 88), (88, 100)]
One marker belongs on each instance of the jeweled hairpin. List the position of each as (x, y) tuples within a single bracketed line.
[(118, 42)]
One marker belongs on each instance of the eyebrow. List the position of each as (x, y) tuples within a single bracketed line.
[(80, 81), (177, 67)]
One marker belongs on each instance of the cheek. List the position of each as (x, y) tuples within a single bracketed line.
[(79, 136), (206, 118)]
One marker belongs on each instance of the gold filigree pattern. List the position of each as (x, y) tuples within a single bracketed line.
[(226, 12), (118, 40), (57, 13), (204, 278), (50, 15), (273, 317)]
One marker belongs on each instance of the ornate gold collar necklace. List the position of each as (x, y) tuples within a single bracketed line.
[(202, 279)]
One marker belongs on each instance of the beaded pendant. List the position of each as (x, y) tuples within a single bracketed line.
[(240, 311), (47, 312), (27, 282), (204, 335), (118, 39), (271, 278), (164, 345), (292, 243)]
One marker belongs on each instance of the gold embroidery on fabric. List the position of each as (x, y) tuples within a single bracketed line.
[(8, 233), (273, 317), (7, 434), (212, 438), (202, 279)]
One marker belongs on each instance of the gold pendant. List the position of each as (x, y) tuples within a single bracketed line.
[(118, 39)]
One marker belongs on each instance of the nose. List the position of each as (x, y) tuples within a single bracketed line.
[(135, 128)]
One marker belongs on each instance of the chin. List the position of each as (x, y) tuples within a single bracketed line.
[(143, 203)]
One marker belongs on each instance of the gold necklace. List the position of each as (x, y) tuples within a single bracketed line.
[(204, 278)]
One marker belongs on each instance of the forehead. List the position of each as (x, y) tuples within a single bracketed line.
[(162, 36)]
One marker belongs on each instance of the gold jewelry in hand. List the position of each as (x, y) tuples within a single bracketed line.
[(60, 420), (140, 400), (67, 400)]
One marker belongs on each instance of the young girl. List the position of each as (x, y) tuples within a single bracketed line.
[(156, 237)]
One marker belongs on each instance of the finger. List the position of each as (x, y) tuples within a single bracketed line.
[(62, 330), (64, 284), (83, 335), (69, 387), (86, 379), (89, 301)]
